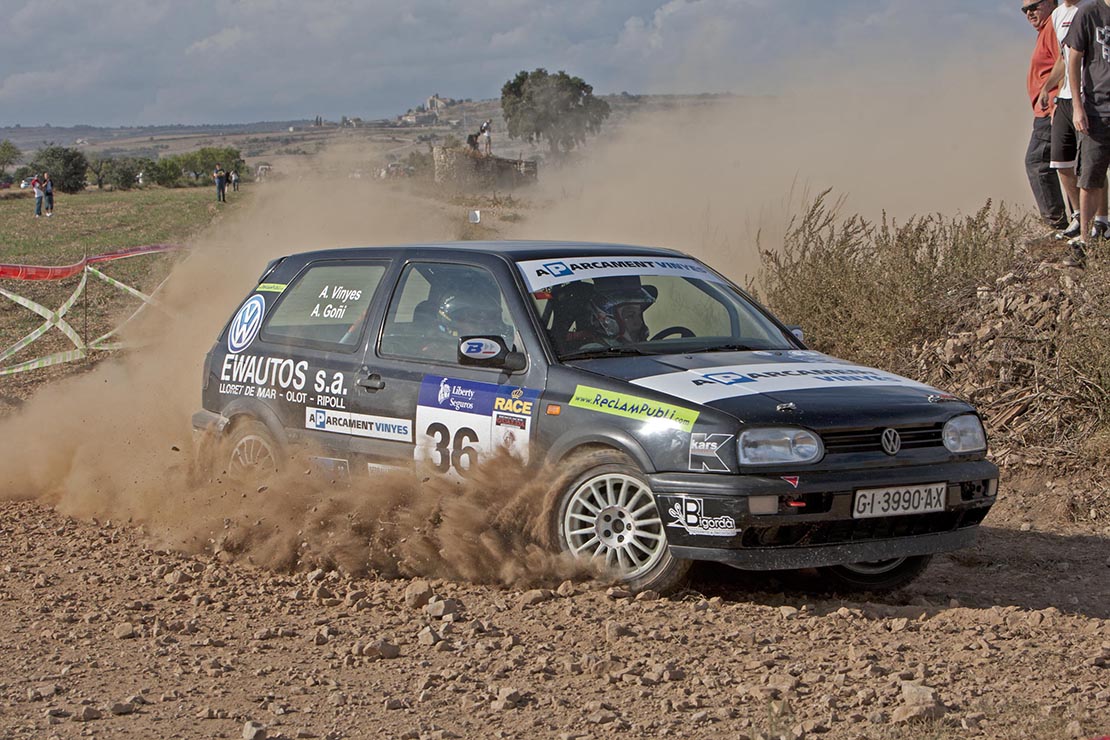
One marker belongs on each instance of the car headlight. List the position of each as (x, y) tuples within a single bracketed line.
[(965, 434), (777, 445)]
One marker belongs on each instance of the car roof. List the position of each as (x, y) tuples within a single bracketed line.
[(511, 250)]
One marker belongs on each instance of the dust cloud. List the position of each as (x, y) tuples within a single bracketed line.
[(117, 443)]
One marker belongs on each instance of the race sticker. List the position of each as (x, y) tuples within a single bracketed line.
[(714, 383), (705, 452), (545, 273), (271, 288), (632, 407), (689, 514), (458, 421), (358, 425), (244, 327)]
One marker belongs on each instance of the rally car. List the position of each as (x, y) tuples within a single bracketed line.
[(677, 419)]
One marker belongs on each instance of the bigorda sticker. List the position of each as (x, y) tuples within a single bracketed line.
[(632, 407), (689, 514)]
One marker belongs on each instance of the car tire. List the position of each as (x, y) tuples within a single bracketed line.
[(606, 511), (250, 452), (878, 577)]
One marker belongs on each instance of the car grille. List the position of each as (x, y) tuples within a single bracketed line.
[(858, 530), (870, 440)]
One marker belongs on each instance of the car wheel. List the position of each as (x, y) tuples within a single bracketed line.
[(251, 451), (607, 513), (878, 576)]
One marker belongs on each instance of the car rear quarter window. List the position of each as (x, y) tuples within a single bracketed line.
[(326, 306), (437, 303)]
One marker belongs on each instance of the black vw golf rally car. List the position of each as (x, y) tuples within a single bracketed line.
[(680, 419)]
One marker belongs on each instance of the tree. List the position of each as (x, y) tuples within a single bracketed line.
[(121, 172), (9, 154), (67, 167), (98, 167), (166, 171), (556, 107)]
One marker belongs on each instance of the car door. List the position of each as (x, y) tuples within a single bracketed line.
[(432, 410), (316, 331)]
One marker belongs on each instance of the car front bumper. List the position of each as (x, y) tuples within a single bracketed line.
[(710, 517)]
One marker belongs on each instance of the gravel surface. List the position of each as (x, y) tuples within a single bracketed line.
[(104, 635)]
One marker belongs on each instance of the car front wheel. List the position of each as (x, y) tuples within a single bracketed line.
[(251, 452), (877, 576), (607, 513)]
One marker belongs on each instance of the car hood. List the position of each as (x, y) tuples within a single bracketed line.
[(800, 387)]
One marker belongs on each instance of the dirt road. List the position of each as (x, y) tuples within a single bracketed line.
[(104, 636)]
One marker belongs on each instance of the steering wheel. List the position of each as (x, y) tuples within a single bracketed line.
[(681, 331)]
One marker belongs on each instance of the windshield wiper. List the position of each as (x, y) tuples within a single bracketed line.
[(586, 354)]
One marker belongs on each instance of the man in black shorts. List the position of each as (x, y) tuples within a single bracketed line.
[(1089, 63)]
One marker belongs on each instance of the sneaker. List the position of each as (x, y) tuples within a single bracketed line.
[(1072, 229), (1078, 256), (1100, 230)]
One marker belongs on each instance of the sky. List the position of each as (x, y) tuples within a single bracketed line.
[(153, 62)]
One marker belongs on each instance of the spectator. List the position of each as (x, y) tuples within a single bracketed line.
[(1045, 183), (1089, 67), (36, 186), (485, 130), (1064, 153), (221, 183), (235, 181), (48, 193)]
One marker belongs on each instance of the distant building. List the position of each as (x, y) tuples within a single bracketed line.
[(419, 118), (436, 103)]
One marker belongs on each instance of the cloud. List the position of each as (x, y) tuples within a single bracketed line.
[(156, 60)]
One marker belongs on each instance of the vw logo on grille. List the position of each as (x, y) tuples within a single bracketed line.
[(892, 442)]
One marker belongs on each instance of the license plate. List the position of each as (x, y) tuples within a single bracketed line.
[(919, 499)]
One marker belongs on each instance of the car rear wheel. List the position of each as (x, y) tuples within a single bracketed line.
[(251, 452), (878, 575), (607, 513)]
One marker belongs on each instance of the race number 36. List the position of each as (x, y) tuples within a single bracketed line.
[(456, 450)]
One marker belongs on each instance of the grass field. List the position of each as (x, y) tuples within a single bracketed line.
[(91, 223), (101, 221)]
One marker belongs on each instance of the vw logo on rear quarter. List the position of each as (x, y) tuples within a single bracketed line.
[(892, 441), (244, 327)]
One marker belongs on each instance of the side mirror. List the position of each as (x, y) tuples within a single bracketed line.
[(490, 351), (797, 331)]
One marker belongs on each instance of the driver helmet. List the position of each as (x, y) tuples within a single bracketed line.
[(463, 314), (617, 310)]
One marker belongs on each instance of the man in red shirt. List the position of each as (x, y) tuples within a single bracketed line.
[(1038, 157)]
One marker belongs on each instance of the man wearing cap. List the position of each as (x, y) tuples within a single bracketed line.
[(1042, 178)]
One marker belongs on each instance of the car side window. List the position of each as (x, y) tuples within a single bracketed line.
[(436, 303), (326, 306)]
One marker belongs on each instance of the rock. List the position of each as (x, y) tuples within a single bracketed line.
[(567, 589), (394, 703), (536, 596), (124, 631), (442, 608), (647, 595), (601, 717), (254, 731), (615, 631), (917, 712), (618, 593), (177, 577), (915, 694), (87, 714), (428, 636), (418, 594), (897, 625), (788, 612), (316, 575), (509, 695), (382, 649), (120, 708)]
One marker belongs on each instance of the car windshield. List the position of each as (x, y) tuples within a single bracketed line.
[(614, 306)]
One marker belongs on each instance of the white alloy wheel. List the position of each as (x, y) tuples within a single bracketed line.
[(613, 517), (252, 451)]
